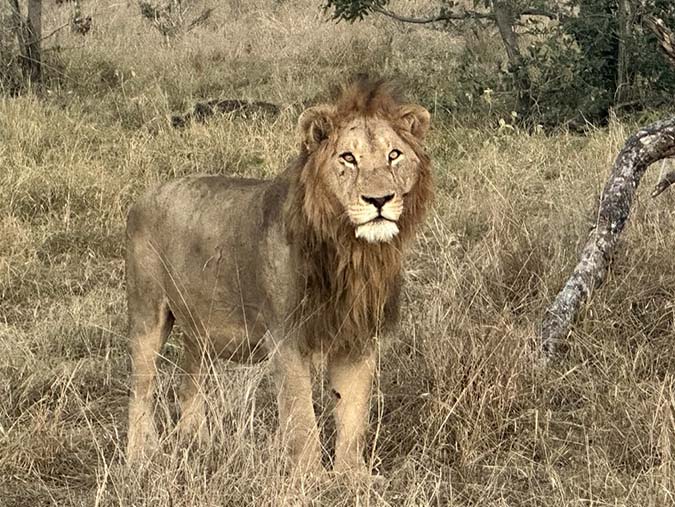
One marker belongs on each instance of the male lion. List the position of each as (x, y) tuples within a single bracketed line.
[(307, 262)]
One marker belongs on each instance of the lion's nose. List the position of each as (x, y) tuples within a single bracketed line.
[(378, 202)]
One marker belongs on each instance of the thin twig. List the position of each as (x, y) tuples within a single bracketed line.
[(667, 180), (63, 48), (53, 32), (464, 15), (446, 16), (201, 19)]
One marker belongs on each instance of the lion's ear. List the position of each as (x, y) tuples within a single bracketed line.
[(416, 119), (315, 125)]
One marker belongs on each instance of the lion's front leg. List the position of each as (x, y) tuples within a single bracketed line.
[(351, 380), (297, 420)]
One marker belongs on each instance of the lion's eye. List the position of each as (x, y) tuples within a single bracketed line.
[(348, 157), (393, 155)]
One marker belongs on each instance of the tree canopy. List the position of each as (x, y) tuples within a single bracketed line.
[(594, 56)]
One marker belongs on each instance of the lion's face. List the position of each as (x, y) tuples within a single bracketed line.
[(368, 167)]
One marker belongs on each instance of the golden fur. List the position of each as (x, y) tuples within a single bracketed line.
[(349, 282), (308, 261)]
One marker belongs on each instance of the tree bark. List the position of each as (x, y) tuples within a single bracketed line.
[(505, 18), (33, 53), (648, 145), (622, 74), (29, 37), (18, 24)]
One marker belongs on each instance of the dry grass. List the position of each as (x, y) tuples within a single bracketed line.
[(463, 416)]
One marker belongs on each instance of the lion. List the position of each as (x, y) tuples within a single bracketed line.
[(283, 269)]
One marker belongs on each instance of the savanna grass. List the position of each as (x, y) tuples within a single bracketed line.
[(464, 412)]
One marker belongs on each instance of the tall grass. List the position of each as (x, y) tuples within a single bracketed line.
[(463, 413)]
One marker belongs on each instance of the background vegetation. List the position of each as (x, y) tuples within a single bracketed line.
[(464, 414), (565, 61)]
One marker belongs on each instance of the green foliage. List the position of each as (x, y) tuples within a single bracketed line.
[(480, 83), (570, 68), (169, 18), (353, 10), (651, 71), (563, 88), (574, 70)]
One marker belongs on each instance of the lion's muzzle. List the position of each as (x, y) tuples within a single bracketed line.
[(376, 217)]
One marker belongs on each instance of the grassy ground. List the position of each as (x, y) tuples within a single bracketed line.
[(464, 415)]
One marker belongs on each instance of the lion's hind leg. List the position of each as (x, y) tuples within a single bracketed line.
[(150, 322), (297, 421), (192, 422)]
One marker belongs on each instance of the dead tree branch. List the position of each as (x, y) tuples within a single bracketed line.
[(667, 180), (466, 14), (648, 145), (201, 19), (444, 16), (664, 35), (54, 32)]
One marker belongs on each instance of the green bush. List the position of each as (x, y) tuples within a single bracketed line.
[(574, 70)]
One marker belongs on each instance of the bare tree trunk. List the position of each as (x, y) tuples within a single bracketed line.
[(33, 52), (622, 79), (505, 19), (18, 24), (648, 145), (29, 36)]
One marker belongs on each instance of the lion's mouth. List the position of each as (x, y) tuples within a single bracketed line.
[(377, 230), (381, 218)]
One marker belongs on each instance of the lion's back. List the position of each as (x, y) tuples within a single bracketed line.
[(191, 201), (188, 220)]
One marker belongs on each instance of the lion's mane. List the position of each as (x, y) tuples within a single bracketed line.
[(351, 287)]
